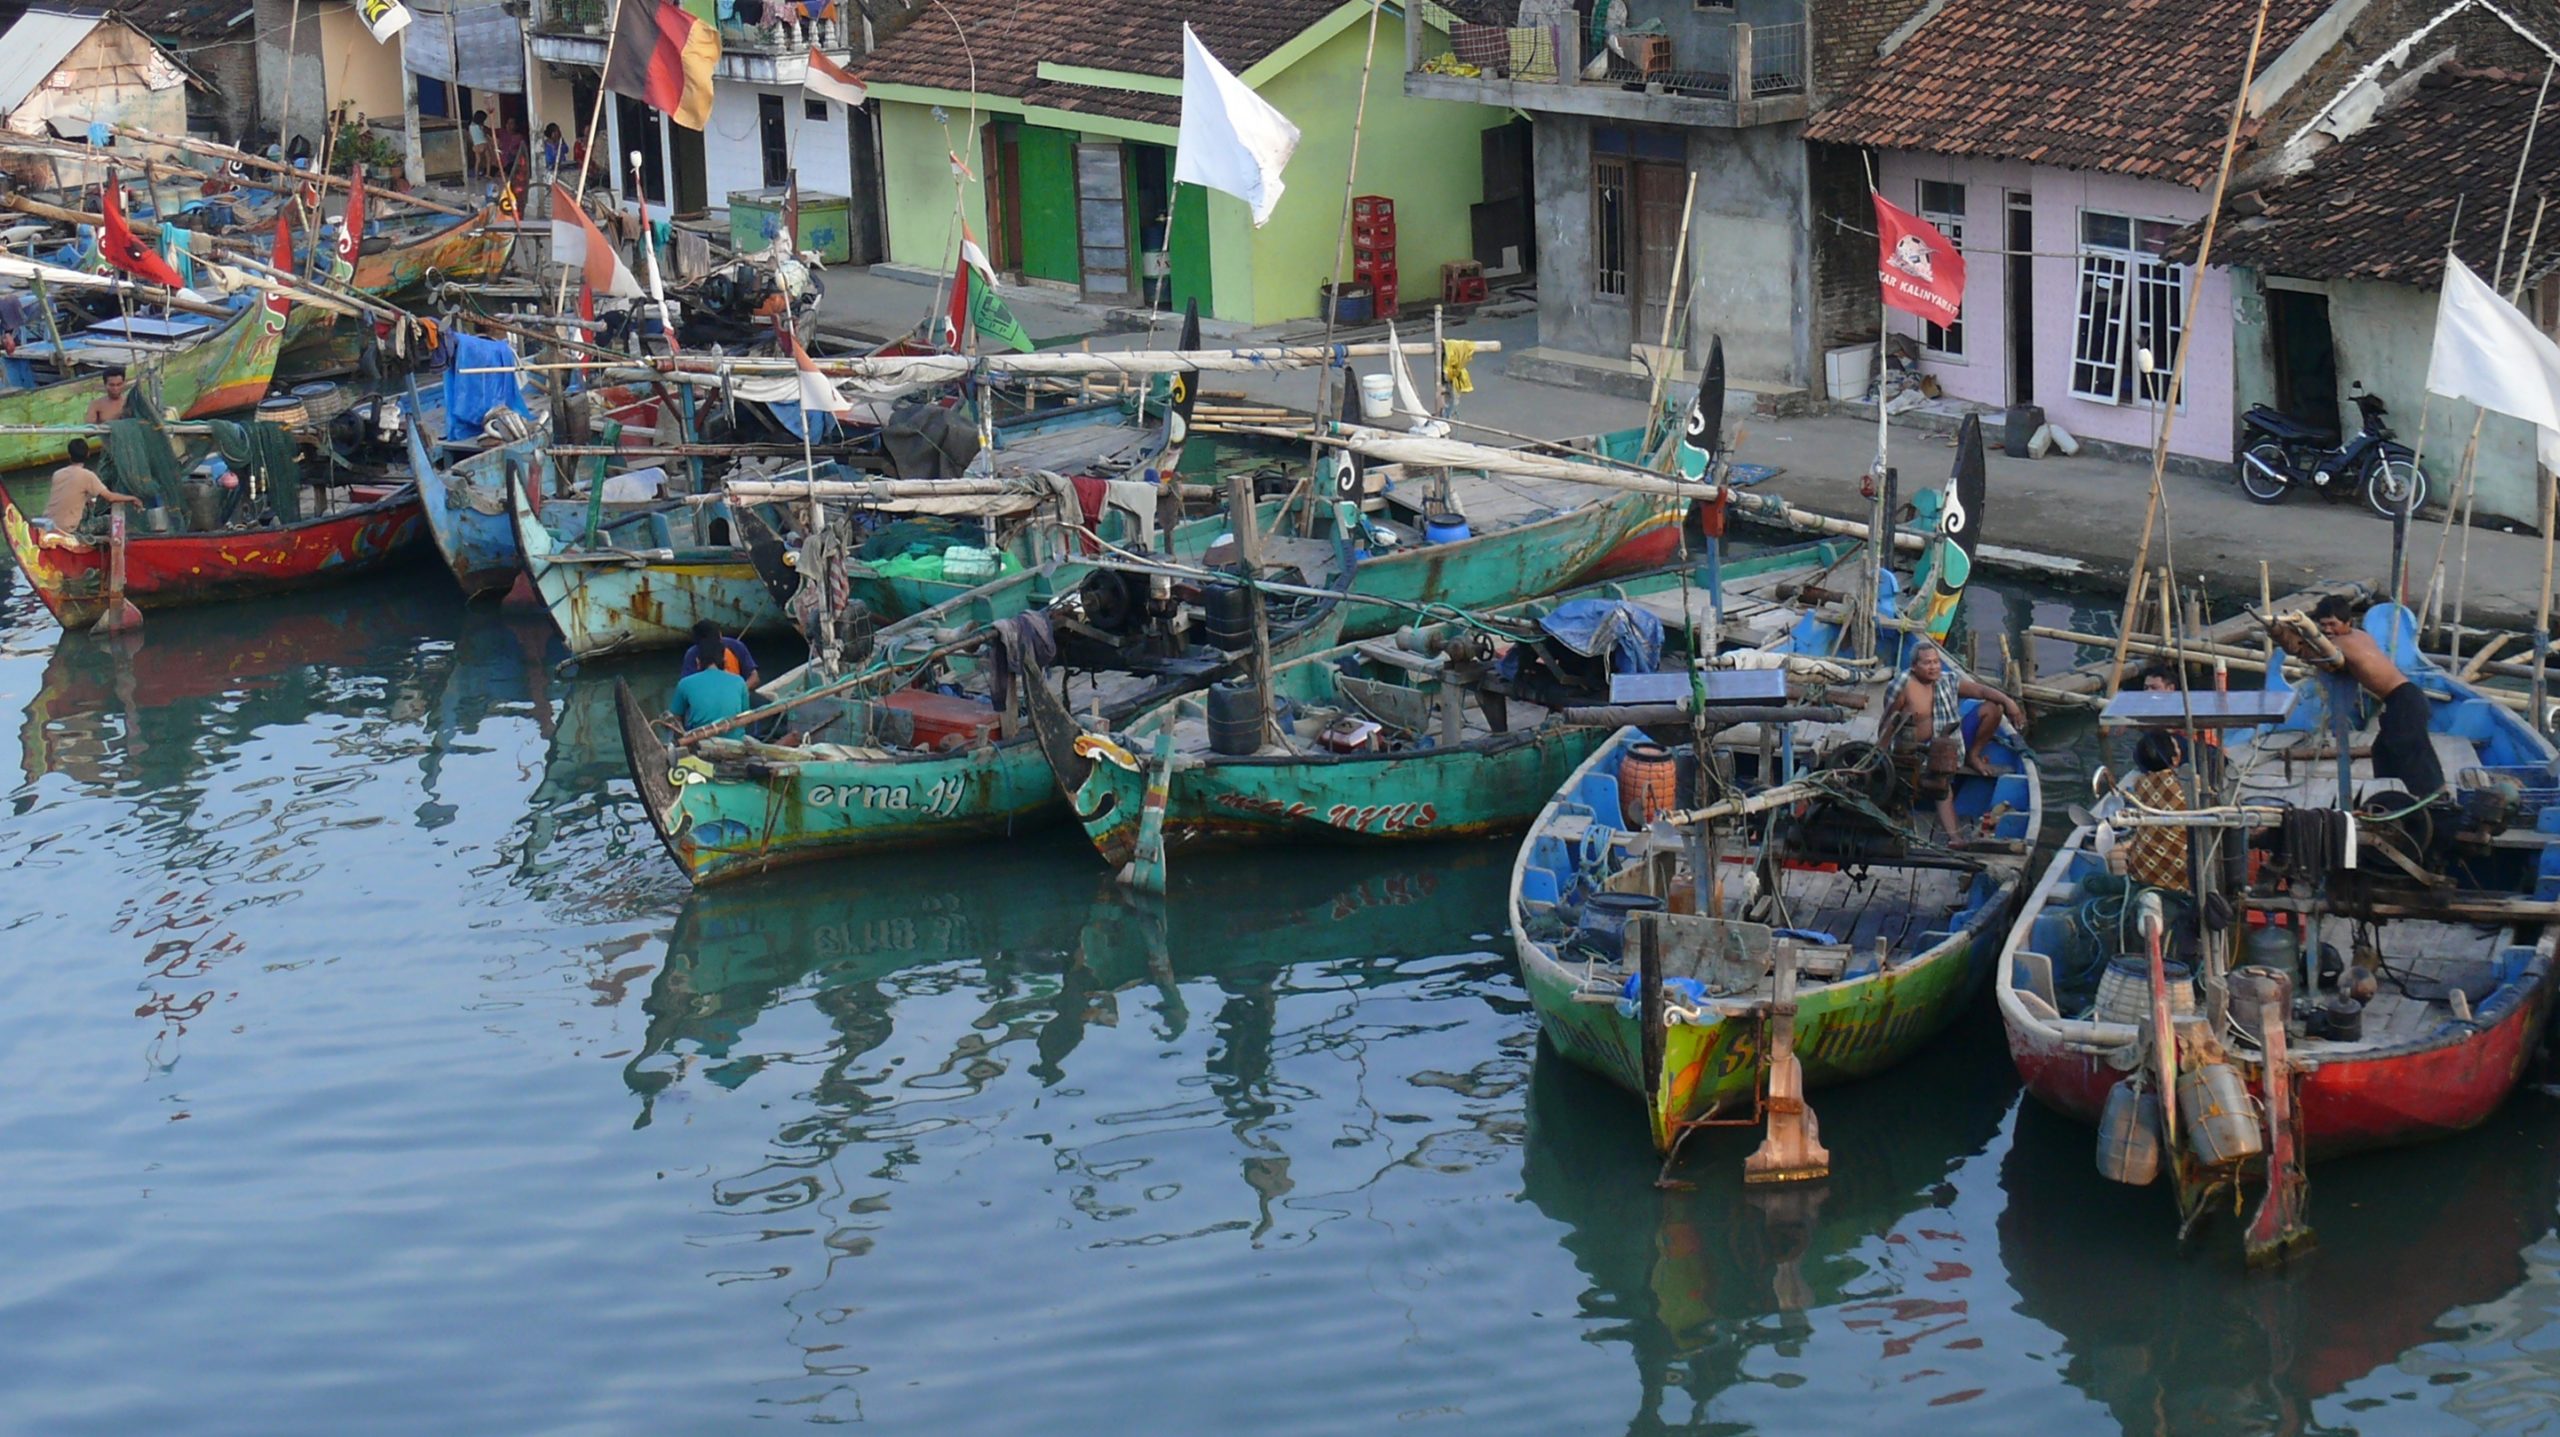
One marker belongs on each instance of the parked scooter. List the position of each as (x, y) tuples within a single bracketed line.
[(2282, 452)]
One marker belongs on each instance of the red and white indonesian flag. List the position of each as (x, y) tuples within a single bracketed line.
[(1231, 139), (2488, 352), (576, 240), (834, 81), (1921, 272), (815, 390)]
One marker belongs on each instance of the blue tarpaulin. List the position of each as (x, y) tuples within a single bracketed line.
[(1629, 635), (469, 398)]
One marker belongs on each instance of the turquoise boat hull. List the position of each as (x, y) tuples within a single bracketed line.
[(638, 589)]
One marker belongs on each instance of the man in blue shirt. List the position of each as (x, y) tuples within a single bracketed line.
[(707, 696)]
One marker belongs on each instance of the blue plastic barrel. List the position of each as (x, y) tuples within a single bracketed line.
[(1445, 528)]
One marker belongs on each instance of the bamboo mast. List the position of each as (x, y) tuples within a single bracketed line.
[(2152, 511)]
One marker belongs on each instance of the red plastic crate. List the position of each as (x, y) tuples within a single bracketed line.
[(944, 722), (1366, 209), (1384, 302), (1377, 236)]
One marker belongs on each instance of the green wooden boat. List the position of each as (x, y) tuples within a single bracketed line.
[(1443, 765), (1890, 955), (228, 370), (916, 748)]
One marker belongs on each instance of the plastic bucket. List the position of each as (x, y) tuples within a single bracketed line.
[(1446, 528), (1604, 920), (1348, 305), (1377, 397)]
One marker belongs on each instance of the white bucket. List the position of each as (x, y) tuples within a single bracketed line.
[(1377, 397)]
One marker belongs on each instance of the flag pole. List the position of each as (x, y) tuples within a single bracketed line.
[(595, 124), (1879, 538), (2152, 510)]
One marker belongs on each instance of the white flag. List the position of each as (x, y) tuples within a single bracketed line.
[(1231, 140), (2486, 351)]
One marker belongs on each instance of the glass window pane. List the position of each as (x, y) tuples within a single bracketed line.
[(2105, 231)]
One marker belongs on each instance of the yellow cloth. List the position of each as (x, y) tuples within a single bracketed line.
[(1455, 356)]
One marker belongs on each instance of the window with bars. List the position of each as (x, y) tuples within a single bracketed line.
[(2129, 300), (1942, 205), (1612, 227)]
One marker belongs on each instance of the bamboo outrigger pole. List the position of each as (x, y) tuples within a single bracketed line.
[(2186, 341)]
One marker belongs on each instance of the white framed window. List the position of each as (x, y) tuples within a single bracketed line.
[(1942, 205), (2128, 300)]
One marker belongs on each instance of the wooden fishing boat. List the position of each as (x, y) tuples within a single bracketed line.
[(465, 501), (229, 369), (165, 571), (473, 248), (1838, 915), (645, 578), (2450, 909), (915, 748), (1459, 748)]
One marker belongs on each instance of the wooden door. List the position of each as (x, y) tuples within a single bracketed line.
[(693, 184), (1102, 222), (1659, 191)]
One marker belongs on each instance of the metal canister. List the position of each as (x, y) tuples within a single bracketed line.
[(2129, 1136), (2221, 1122)]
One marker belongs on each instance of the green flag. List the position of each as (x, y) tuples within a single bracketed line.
[(995, 323)]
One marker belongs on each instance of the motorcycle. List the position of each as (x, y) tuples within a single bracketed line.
[(2283, 452)]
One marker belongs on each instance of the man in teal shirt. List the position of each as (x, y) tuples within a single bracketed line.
[(707, 696)]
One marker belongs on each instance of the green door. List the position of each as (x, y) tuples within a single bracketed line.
[(1047, 203), (1188, 254)]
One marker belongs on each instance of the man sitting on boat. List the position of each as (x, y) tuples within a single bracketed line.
[(2402, 750), (67, 502), (715, 650), (1925, 711), (706, 696), (109, 407)]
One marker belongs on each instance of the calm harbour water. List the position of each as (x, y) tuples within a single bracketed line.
[(369, 1069)]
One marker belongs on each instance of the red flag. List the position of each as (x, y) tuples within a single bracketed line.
[(119, 248), (815, 392), (587, 302), (1922, 274), (278, 306), (350, 241), (576, 240), (664, 55)]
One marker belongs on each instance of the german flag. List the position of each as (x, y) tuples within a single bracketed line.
[(663, 55)]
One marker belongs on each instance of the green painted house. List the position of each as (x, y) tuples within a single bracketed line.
[(1064, 113)]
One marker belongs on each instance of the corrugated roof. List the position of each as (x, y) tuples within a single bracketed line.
[(41, 40)]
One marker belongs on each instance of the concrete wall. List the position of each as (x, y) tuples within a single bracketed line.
[(1426, 155), (361, 72), (2204, 425), (1748, 274), (292, 85), (2383, 333), (916, 184), (733, 151)]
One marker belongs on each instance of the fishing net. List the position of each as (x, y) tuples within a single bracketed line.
[(263, 452), (140, 462)]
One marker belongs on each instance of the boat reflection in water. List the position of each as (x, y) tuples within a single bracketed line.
[(1788, 1306), (942, 1056), (2434, 1269)]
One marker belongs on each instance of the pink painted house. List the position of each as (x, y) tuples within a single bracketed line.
[(2061, 145)]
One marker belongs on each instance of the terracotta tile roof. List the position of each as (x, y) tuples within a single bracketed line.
[(2381, 205), (2131, 87), (1009, 39)]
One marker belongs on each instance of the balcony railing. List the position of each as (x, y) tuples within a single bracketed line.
[(791, 35), (1738, 74)]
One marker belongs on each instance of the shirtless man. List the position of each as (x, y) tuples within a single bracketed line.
[(67, 502), (2402, 751), (1922, 700), (109, 409)]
